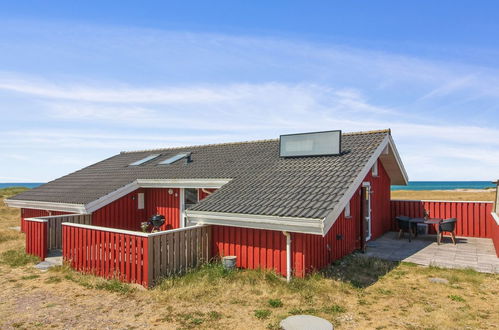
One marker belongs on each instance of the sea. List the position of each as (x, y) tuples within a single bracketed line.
[(413, 185), (445, 185)]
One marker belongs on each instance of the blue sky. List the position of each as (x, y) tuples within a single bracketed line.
[(79, 83)]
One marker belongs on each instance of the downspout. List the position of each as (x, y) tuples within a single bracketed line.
[(288, 255)]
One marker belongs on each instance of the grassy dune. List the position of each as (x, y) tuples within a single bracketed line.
[(448, 195), (356, 292)]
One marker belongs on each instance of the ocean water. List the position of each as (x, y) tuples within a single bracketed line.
[(445, 185), (413, 185), (20, 184)]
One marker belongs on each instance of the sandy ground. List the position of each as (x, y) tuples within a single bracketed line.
[(449, 195)]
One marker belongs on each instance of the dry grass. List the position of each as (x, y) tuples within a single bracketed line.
[(355, 293), (448, 195)]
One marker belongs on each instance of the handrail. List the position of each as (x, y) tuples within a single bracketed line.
[(129, 232)]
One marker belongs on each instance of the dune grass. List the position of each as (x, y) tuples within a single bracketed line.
[(355, 292)]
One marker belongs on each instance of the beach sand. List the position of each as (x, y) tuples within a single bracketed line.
[(448, 195)]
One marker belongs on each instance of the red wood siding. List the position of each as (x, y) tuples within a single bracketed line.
[(267, 249), (33, 213), (254, 248), (107, 254), (123, 213), (474, 219), (380, 202), (159, 201), (36, 238)]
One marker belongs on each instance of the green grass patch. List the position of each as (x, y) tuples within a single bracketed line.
[(275, 303), (5, 236), (53, 279), (455, 297), (29, 277), (262, 314), (358, 270), (17, 258), (114, 285), (334, 309), (11, 191)]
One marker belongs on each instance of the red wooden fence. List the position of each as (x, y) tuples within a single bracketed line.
[(474, 219), (36, 237), (495, 232), (107, 252), (135, 257)]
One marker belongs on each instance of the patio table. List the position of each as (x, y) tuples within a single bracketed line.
[(429, 221)]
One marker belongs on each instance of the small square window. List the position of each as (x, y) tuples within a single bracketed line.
[(375, 169), (347, 210)]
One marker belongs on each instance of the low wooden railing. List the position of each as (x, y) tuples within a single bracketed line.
[(474, 219), (135, 257), (54, 238), (176, 251), (36, 237)]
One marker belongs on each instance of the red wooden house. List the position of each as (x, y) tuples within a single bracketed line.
[(292, 204)]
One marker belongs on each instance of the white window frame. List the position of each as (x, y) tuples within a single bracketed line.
[(140, 201), (347, 210), (375, 169)]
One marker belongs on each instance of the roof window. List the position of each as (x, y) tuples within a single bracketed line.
[(173, 159), (145, 160)]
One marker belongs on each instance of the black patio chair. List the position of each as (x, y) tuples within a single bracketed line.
[(404, 225), (447, 225)]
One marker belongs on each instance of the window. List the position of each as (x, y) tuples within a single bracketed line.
[(140, 201), (347, 210), (190, 197), (375, 169), (144, 160), (174, 158)]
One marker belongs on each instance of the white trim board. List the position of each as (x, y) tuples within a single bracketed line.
[(335, 213), (291, 224), (64, 207), (496, 217), (118, 193)]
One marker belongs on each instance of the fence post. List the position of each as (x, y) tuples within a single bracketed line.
[(148, 261), (496, 204)]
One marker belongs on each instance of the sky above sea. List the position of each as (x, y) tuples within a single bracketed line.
[(80, 82)]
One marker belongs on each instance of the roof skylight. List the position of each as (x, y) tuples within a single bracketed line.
[(144, 160), (174, 158)]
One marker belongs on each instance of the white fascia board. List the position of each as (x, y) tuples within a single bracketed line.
[(496, 217), (340, 206), (182, 183), (398, 159), (153, 183), (63, 207), (291, 224), (111, 197)]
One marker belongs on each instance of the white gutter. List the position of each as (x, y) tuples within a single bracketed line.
[(288, 256)]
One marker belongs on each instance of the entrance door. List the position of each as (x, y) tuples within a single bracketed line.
[(366, 214), (188, 197)]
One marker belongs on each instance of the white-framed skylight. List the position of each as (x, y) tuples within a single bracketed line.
[(173, 159), (145, 160)]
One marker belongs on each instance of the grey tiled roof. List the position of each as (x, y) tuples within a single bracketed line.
[(262, 182)]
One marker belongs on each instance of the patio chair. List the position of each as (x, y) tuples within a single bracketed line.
[(447, 225), (404, 225)]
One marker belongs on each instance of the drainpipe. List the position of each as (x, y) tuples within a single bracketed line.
[(288, 255)]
